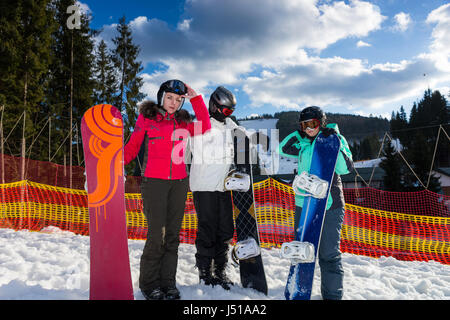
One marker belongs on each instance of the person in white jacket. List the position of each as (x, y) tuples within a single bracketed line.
[(212, 158)]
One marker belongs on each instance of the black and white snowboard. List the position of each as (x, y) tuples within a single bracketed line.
[(248, 244)]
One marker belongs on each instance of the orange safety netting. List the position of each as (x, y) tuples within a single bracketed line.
[(408, 226)]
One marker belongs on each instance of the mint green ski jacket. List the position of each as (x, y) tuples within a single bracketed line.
[(300, 147)]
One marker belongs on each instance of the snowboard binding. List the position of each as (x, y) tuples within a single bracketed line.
[(298, 252), (312, 184), (237, 181), (245, 249)]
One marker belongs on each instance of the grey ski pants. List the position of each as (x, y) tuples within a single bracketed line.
[(164, 202), (331, 270)]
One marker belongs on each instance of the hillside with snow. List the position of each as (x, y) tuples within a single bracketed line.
[(271, 161)]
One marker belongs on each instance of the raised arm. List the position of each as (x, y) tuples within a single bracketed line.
[(203, 123), (290, 146)]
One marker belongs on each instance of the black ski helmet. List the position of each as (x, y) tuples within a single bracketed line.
[(313, 112), (173, 86), (220, 99)]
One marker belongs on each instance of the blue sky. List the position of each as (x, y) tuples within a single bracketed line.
[(359, 57)]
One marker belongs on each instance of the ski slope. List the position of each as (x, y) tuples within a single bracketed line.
[(54, 265), (271, 161)]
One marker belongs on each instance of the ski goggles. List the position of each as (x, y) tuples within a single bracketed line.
[(226, 111), (176, 86), (312, 124), (172, 86)]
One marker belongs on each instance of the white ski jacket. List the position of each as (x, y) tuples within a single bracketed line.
[(212, 156)]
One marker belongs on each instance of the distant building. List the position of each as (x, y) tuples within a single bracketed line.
[(356, 178), (444, 178)]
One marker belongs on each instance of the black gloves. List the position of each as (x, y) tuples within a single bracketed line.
[(290, 147)]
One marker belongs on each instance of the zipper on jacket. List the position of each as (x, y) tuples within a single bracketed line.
[(173, 145)]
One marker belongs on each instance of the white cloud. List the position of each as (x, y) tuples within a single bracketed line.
[(361, 44), (84, 8), (341, 20), (221, 41), (402, 21), (342, 82), (184, 25), (139, 22), (278, 43), (440, 46)]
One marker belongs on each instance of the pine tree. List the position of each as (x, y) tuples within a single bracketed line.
[(10, 36), (391, 165), (413, 116), (355, 149), (399, 126), (106, 84), (418, 138), (440, 116), (431, 112), (26, 28), (71, 74), (369, 147), (420, 157), (125, 56)]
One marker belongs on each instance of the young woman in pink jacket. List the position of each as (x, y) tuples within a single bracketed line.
[(163, 127)]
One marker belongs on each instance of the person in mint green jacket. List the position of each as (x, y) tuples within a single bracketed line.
[(300, 145)]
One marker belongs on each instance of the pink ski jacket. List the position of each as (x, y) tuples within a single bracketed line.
[(166, 141)]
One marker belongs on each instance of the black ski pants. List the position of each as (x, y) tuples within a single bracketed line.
[(164, 202), (215, 225)]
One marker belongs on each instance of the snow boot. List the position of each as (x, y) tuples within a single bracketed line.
[(204, 265), (221, 277), (155, 294), (171, 293)]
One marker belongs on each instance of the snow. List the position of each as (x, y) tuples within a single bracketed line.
[(368, 163), (272, 163), (259, 124), (54, 265)]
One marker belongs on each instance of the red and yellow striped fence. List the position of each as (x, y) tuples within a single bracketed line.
[(369, 231)]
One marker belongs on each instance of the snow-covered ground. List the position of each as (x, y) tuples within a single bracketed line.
[(55, 266)]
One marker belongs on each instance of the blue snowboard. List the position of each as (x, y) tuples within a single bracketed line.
[(301, 275)]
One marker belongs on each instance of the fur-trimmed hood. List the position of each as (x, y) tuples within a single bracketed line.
[(150, 110)]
